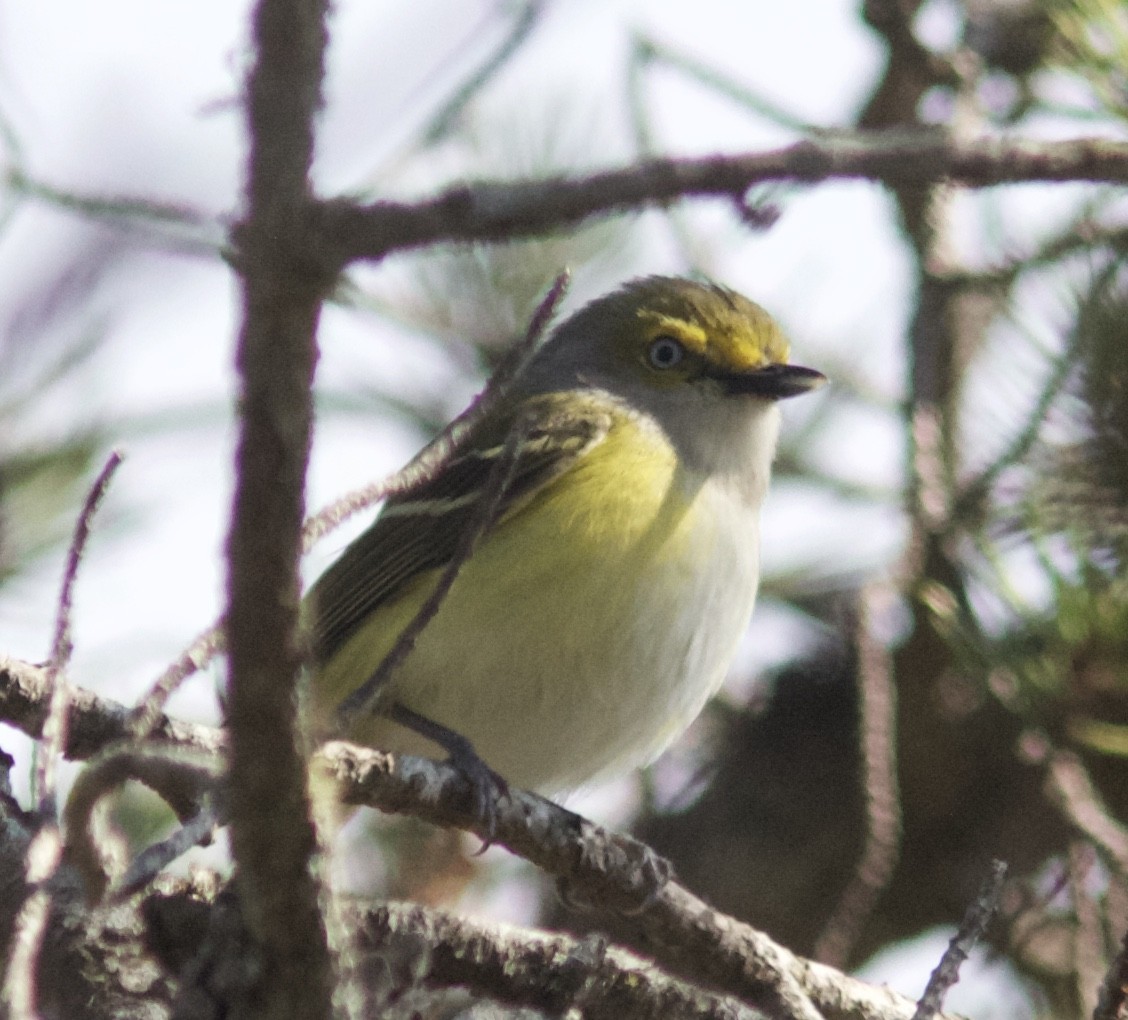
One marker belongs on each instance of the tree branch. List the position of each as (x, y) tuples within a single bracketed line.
[(551, 973), (272, 836), (93, 722), (681, 932), (491, 211)]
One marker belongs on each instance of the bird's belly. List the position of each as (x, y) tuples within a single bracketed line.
[(570, 647)]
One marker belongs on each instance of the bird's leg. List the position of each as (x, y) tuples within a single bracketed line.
[(486, 784)]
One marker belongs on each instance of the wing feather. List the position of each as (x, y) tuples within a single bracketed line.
[(419, 531)]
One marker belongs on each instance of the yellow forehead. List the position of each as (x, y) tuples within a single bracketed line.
[(736, 337)]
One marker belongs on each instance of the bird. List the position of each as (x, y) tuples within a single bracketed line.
[(603, 601)]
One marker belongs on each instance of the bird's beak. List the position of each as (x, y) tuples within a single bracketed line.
[(774, 382)]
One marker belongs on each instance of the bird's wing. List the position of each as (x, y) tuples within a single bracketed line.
[(419, 531)]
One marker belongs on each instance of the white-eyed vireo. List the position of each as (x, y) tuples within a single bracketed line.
[(602, 607)]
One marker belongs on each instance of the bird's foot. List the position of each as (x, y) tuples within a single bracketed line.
[(486, 786)]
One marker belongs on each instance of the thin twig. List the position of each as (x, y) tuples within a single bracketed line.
[(646, 50), (878, 723), (483, 518), (189, 229), (971, 930), (431, 460), (150, 707), (154, 859), (447, 443), (55, 728), (527, 19)]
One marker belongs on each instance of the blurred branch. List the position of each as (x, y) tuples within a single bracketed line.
[(910, 68), (1089, 960), (1082, 237), (878, 725), (1071, 790), (182, 781), (1114, 990), (646, 147), (94, 966), (756, 212), (272, 834), (491, 211), (551, 973), (189, 229), (526, 21), (976, 490), (22, 987), (646, 52)]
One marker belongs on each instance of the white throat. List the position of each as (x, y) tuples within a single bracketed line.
[(732, 440)]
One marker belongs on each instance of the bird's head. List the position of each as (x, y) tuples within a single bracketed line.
[(704, 361)]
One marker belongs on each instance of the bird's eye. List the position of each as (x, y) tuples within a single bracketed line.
[(665, 352)]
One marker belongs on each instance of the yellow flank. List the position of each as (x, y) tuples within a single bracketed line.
[(593, 621)]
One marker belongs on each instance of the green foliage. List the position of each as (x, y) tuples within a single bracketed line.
[(1081, 485), (1092, 43)]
